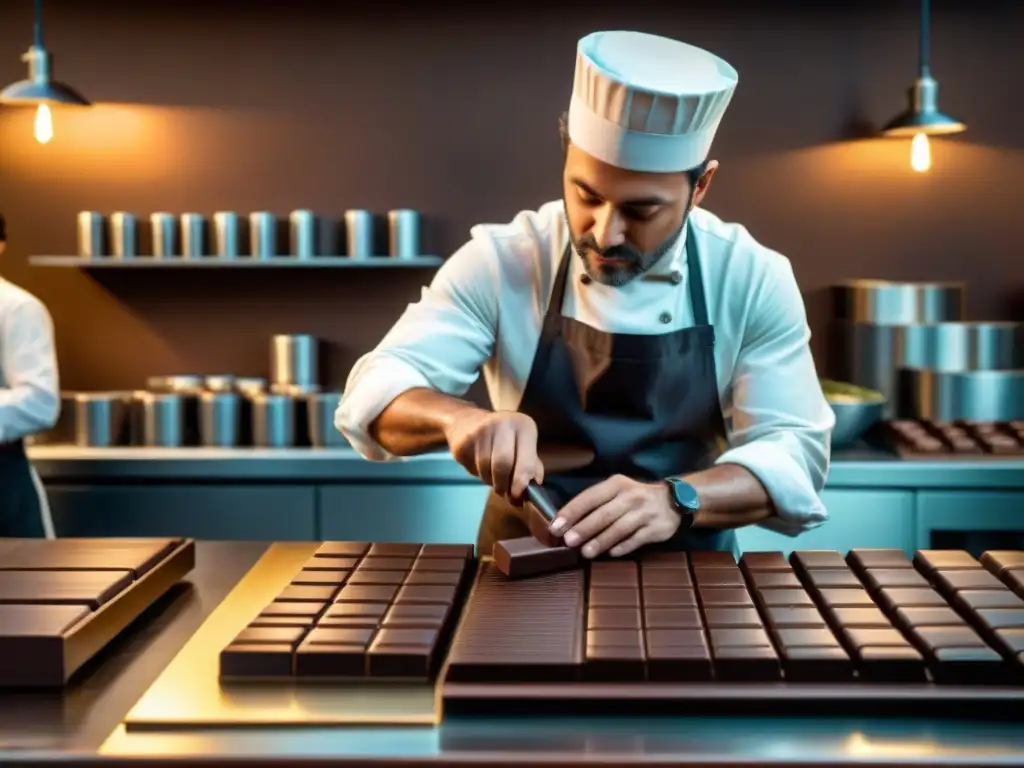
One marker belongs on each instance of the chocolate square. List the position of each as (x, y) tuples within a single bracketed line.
[(944, 560), (726, 596), (747, 663), (666, 577), (687, 617), (787, 616), (343, 549), (619, 638), (614, 618), (354, 614), (378, 593), (955, 581), (671, 663), (416, 615), (428, 593), (256, 660), (614, 663), (877, 578), (688, 638), (394, 549), (361, 577), (330, 563), (315, 577), (385, 564), (836, 577), (309, 608), (668, 597), (525, 556), (779, 597), (863, 559), (731, 617), (765, 561), (897, 597), (612, 597), (854, 598), (330, 660), (850, 616), (451, 578), (447, 551), (436, 564), (719, 577), (306, 594), (815, 559), (776, 579)]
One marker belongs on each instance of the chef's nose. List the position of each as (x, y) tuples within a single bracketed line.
[(609, 229)]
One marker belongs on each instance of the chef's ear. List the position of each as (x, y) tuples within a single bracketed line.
[(702, 181)]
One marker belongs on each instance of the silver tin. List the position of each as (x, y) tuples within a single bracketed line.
[(193, 235), (302, 234), (225, 235), (124, 235), (404, 234), (91, 238), (263, 235), (359, 234), (165, 235)]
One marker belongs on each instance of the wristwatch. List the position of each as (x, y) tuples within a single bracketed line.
[(685, 500)]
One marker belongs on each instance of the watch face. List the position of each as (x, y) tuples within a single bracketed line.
[(685, 494)]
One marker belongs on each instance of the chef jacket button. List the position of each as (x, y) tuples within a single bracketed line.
[(676, 277), (585, 279), (665, 318)]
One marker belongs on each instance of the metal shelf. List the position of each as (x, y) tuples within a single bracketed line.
[(242, 262)]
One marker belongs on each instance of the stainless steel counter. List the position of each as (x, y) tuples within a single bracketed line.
[(58, 463)]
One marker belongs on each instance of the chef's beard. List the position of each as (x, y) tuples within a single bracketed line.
[(635, 261)]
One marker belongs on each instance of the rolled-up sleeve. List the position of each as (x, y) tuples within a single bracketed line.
[(781, 424), (440, 342), (30, 389)]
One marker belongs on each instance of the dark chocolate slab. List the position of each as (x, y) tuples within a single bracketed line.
[(747, 663), (789, 616), (817, 559), (523, 557), (614, 618), (716, 617), (833, 577), (343, 549), (765, 561), (912, 597), (975, 599), (879, 578), (929, 560), (998, 561), (717, 577), (774, 579), (863, 559), (684, 617), (678, 663), (455, 551), (90, 588), (317, 577), (668, 577), (955, 581), (38, 621), (394, 549), (700, 559), (136, 555), (816, 664), (852, 616)]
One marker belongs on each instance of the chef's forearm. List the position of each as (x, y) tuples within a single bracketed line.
[(416, 421), (730, 497)]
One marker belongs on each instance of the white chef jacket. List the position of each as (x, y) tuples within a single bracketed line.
[(485, 308), (29, 385)]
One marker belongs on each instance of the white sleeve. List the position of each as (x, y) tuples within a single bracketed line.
[(440, 342), (30, 390), (781, 423)]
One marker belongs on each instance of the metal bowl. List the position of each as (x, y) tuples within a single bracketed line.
[(856, 410)]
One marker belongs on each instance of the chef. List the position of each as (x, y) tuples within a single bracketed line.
[(625, 322), (29, 403)]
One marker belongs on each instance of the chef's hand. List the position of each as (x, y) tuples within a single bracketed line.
[(618, 514), (499, 447)]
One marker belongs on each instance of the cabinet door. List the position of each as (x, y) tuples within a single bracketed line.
[(435, 513), (975, 520), (240, 513), (866, 519)]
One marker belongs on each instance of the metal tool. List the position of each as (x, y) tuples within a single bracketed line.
[(542, 500)]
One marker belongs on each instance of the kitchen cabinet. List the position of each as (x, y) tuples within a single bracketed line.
[(427, 512), (238, 512), (857, 518), (974, 520)]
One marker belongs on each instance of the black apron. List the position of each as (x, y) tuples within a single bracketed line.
[(20, 513), (646, 406)]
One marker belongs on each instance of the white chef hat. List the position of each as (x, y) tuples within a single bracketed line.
[(647, 103)]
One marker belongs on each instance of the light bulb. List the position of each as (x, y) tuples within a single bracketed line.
[(920, 153), (44, 124)]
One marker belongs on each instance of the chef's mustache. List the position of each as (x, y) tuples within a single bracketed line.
[(624, 251)]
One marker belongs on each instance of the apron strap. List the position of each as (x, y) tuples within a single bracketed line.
[(696, 278)]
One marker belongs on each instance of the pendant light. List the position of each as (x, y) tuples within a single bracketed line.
[(39, 89), (922, 117)]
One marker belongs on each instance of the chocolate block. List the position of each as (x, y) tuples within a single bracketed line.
[(295, 593), (674, 638), (848, 616), (726, 638), (780, 597), (369, 563), (726, 596), (863, 559), (672, 618), (818, 637), (666, 597), (731, 617), (655, 559), (416, 615), (377, 577), (765, 561), (841, 598), (997, 561), (427, 593), (899, 597), (816, 664), (719, 577), (324, 563), (91, 588), (787, 616), (447, 551), (294, 609), (270, 636), (264, 620), (927, 617), (403, 653), (670, 577), (929, 560), (377, 593), (614, 618), (451, 578), (957, 654), (394, 549), (890, 663), (1011, 639), (314, 577), (817, 559), (955, 581), (834, 577), (257, 660), (343, 549), (776, 579), (354, 615), (615, 574), (679, 663), (702, 559), (330, 660), (1001, 618), (490, 645), (438, 564), (615, 638), (975, 599), (37, 621), (610, 663), (519, 558), (878, 578), (747, 663), (139, 556)]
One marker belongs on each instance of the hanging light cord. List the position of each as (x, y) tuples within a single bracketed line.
[(924, 44), (38, 26)]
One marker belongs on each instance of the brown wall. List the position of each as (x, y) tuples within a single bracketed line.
[(244, 106)]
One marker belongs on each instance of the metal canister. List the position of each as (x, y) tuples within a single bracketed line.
[(359, 234), (222, 382), (302, 234), (273, 421), (165, 235), (404, 234), (226, 240), (320, 410), (263, 234), (294, 360), (124, 235), (163, 420), (193, 235), (219, 419), (961, 395), (250, 385), (886, 302), (91, 243), (102, 419)]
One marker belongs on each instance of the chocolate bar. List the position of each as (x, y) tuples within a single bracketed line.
[(380, 611), (54, 596), (526, 556), (927, 439)]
